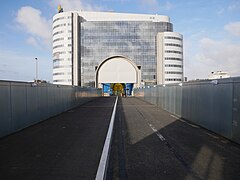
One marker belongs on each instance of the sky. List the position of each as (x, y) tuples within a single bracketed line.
[(210, 29)]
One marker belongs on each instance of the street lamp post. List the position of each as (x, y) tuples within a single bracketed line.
[(36, 69)]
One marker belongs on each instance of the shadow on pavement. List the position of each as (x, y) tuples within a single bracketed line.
[(186, 151)]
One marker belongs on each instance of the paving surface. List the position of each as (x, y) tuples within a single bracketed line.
[(65, 147), (150, 143)]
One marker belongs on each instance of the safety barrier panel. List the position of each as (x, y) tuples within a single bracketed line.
[(23, 104), (213, 104)]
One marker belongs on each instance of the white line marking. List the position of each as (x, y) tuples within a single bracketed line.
[(195, 126), (175, 116), (157, 133), (102, 167), (192, 125)]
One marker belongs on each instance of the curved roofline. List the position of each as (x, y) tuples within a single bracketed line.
[(117, 16), (112, 57), (116, 56)]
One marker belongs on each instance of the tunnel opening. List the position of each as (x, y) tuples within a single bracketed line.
[(117, 75), (117, 89)]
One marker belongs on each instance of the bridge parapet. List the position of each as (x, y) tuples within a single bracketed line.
[(213, 104), (23, 104)]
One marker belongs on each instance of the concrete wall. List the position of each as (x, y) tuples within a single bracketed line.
[(23, 104), (214, 104)]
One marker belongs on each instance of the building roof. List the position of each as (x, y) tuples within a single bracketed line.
[(114, 16)]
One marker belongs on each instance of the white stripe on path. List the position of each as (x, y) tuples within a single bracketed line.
[(102, 167)]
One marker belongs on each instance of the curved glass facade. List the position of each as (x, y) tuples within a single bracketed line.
[(82, 40), (133, 39)]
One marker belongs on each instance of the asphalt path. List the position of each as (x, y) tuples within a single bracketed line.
[(150, 143), (67, 146), (147, 143)]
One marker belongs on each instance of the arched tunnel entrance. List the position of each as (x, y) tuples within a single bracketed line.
[(117, 75)]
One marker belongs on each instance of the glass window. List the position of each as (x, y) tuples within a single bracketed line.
[(134, 39)]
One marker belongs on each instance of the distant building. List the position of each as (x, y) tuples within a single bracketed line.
[(218, 75), (98, 48)]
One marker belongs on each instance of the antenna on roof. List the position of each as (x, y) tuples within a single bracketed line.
[(60, 9)]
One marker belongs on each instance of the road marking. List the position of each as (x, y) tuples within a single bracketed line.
[(102, 167), (195, 126), (156, 132), (175, 116), (171, 148), (176, 154)]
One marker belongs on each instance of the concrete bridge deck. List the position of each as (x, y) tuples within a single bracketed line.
[(147, 143)]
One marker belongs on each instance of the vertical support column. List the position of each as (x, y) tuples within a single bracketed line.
[(75, 48), (160, 58)]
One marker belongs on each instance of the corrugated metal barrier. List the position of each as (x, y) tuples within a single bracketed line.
[(213, 104), (23, 104)]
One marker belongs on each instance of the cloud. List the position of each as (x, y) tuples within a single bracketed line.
[(168, 5), (70, 5), (234, 6), (150, 3), (38, 27), (32, 41), (155, 5), (31, 20), (233, 28), (213, 56)]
